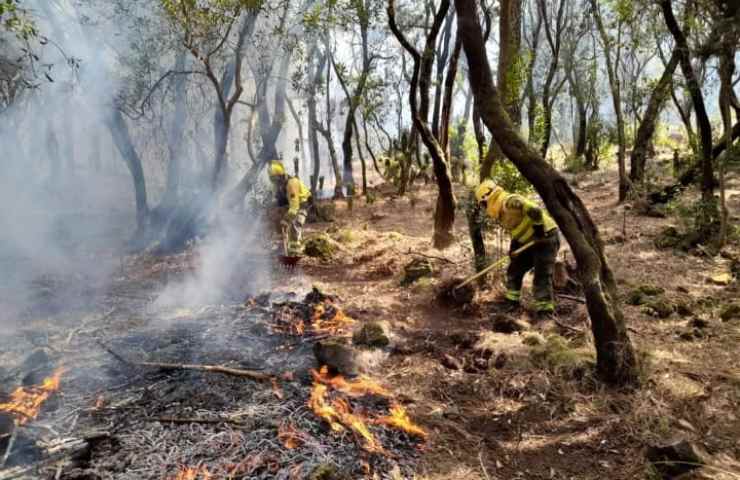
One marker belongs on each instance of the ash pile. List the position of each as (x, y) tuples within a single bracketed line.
[(222, 391)]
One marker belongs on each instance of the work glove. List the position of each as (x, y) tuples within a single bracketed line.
[(535, 214), (539, 231)]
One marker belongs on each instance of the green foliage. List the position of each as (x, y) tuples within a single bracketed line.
[(203, 19), (15, 19), (504, 173)]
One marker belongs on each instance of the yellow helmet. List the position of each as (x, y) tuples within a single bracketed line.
[(276, 169), (492, 195)]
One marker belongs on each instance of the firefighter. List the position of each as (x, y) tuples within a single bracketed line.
[(292, 193), (525, 222)]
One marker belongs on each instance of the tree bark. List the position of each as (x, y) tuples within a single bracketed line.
[(442, 56), (444, 128), (705, 128), (649, 121), (444, 215), (122, 139), (616, 361), (616, 89), (313, 119)]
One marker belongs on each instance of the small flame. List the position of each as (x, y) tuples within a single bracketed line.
[(400, 420), (327, 318), (25, 402), (339, 415), (192, 473), (291, 437)]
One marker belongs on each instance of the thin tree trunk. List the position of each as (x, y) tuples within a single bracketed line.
[(444, 129), (616, 360), (367, 146), (616, 89), (301, 140), (122, 139), (444, 215), (649, 120), (726, 71), (705, 128), (442, 55)]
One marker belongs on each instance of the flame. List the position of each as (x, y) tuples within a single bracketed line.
[(339, 415), (291, 437), (400, 420), (192, 473), (321, 319), (25, 402)]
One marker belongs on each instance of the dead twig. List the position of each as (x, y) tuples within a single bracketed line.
[(567, 327), (236, 372), (571, 297), (442, 259), (194, 420), (8, 448)]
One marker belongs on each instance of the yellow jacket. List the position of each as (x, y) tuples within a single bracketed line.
[(518, 216), (297, 193)]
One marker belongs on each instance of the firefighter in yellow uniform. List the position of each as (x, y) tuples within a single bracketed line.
[(292, 193), (525, 222)]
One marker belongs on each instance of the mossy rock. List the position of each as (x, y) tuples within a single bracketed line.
[(685, 308), (659, 308), (320, 246), (371, 334), (322, 212), (669, 237), (346, 236), (641, 295), (327, 471), (416, 269), (533, 339), (337, 356), (559, 357), (730, 312)]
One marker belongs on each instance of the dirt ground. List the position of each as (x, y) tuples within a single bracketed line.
[(525, 420)]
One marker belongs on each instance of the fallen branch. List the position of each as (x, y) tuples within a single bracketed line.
[(235, 372), (419, 254), (571, 297), (69, 448), (567, 327)]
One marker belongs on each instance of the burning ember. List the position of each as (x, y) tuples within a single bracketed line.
[(339, 414), (191, 473), (316, 318), (291, 437), (25, 402)]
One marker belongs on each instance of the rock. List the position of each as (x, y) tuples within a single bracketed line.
[(500, 361), (669, 237), (506, 324), (451, 296), (659, 308), (464, 339), (684, 309), (533, 339), (322, 212), (724, 278), (557, 356), (675, 458), (699, 323), (320, 246), (730, 312), (448, 361), (641, 294), (371, 334), (327, 471), (416, 269), (340, 358)]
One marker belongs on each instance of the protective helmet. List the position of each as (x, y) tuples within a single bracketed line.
[(485, 190), (276, 169)]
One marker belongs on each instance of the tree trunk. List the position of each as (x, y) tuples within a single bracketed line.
[(327, 134), (442, 55), (444, 215), (367, 146), (122, 139), (301, 140), (616, 361), (649, 120), (480, 140), (175, 140), (726, 71), (705, 128), (313, 118), (444, 128), (616, 90)]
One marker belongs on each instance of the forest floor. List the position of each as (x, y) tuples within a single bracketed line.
[(531, 419), (533, 412)]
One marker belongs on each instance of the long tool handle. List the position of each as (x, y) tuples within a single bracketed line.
[(495, 264), (285, 240)]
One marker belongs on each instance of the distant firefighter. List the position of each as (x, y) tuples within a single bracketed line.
[(292, 193)]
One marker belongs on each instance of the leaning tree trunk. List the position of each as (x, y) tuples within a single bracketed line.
[(649, 121), (444, 215), (449, 87), (175, 139), (726, 71), (616, 360), (705, 128)]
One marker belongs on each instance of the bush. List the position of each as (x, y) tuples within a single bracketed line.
[(506, 175)]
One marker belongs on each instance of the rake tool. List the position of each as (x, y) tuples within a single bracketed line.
[(288, 261), (494, 265)]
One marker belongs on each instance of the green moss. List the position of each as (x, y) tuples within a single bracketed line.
[(730, 312), (641, 295), (559, 357), (660, 308), (320, 246), (533, 339), (418, 268), (346, 236)]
